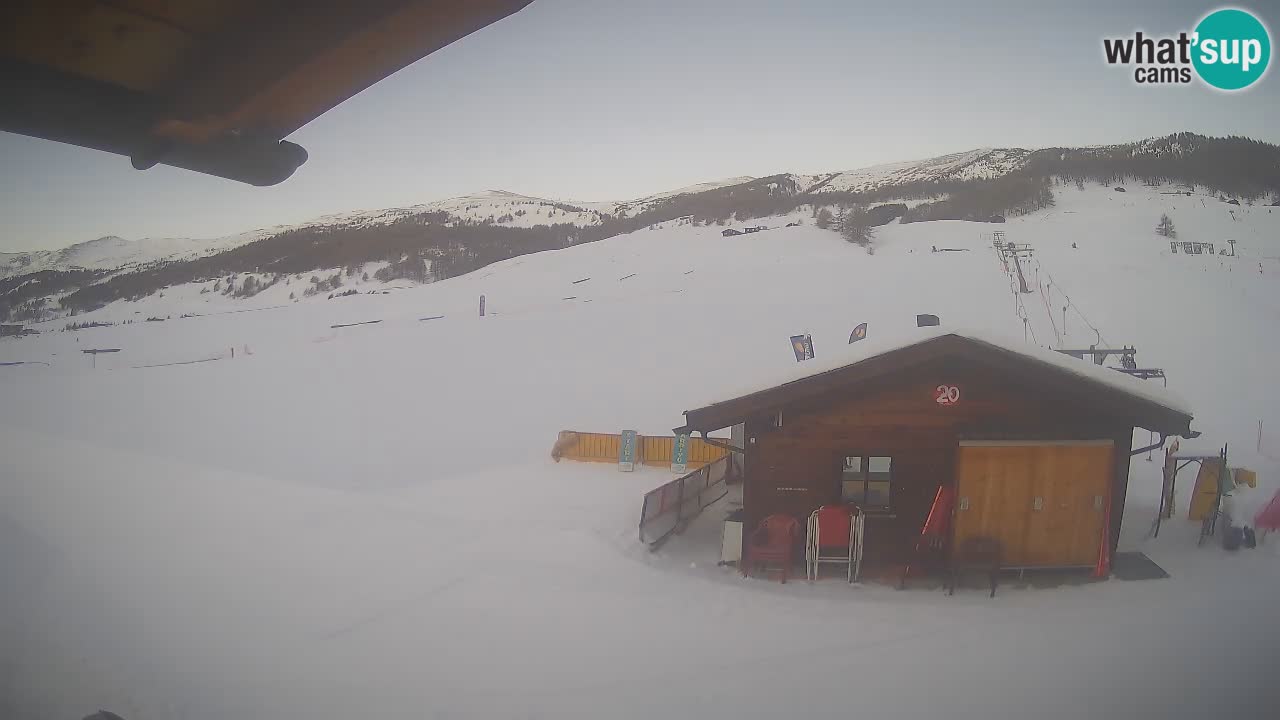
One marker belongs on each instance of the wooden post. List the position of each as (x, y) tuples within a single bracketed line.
[(1164, 493)]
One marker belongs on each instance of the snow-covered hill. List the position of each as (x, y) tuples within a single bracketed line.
[(1218, 162), (494, 206), (112, 252), (499, 207), (981, 164), (356, 519), (116, 253)]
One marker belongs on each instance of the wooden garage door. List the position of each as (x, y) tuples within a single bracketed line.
[(1045, 502)]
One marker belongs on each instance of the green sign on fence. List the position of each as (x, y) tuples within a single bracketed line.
[(627, 450), (680, 454)]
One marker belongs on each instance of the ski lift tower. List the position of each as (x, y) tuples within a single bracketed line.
[(1010, 249)]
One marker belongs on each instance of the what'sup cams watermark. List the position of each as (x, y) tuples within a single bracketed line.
[(1229, 49)]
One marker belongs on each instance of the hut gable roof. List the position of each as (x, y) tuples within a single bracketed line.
[(1148, 405)]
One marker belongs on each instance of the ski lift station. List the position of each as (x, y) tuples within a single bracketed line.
[(923, 457)]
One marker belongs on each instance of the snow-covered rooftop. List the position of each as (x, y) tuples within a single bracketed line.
[(854, 353)]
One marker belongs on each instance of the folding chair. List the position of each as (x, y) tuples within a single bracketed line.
[(833, 537)]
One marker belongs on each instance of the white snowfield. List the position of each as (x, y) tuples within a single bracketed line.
[(364, 521)]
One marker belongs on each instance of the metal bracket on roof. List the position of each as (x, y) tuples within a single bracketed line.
[(1156, 446), (720, 443)]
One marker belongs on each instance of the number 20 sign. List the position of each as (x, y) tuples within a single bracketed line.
[(946, 394)]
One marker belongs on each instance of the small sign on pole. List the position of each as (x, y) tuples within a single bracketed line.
[(680, 454), (803, 346), (481, 306), (94, 353), (627, 451)]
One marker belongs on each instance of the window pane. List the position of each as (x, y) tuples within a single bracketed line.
[(851, 491), (879, 476), (852, 481), (878, 494)]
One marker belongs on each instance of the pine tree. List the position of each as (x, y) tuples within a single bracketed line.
[(824, 218), (855, 226), (1165, 227)]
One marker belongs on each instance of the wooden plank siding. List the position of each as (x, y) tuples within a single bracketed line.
[(795, 468), (1046, 503), (654, 450)]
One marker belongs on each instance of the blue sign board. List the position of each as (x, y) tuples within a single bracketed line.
[(680, 454), (627, 450), (803, 346)]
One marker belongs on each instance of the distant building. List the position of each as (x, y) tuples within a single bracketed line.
[(730, 232), (757, 228)]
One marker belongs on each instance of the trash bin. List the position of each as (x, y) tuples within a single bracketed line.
[(731, 539)]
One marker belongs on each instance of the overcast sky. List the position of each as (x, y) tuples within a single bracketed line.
[(605, 99)]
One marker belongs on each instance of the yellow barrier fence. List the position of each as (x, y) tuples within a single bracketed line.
[(654, 450)]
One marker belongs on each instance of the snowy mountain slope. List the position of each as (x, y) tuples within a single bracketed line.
[(104, 253), (364, 518), (1240, 163), (495, 206), (980, 164), (639, 205), (116, 253), (499, 207)]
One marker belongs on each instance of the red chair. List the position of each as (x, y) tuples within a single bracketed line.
[(772, 542), (831, 538)]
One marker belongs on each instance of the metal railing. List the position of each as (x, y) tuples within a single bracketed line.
[(667, 509)]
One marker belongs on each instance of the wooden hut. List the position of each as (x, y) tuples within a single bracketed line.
[(1035, 444)]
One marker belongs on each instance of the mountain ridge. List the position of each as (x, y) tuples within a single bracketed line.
[(485, 205), (511, 209), (451, 237)]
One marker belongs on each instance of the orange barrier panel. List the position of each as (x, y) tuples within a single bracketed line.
[(654, 450)]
